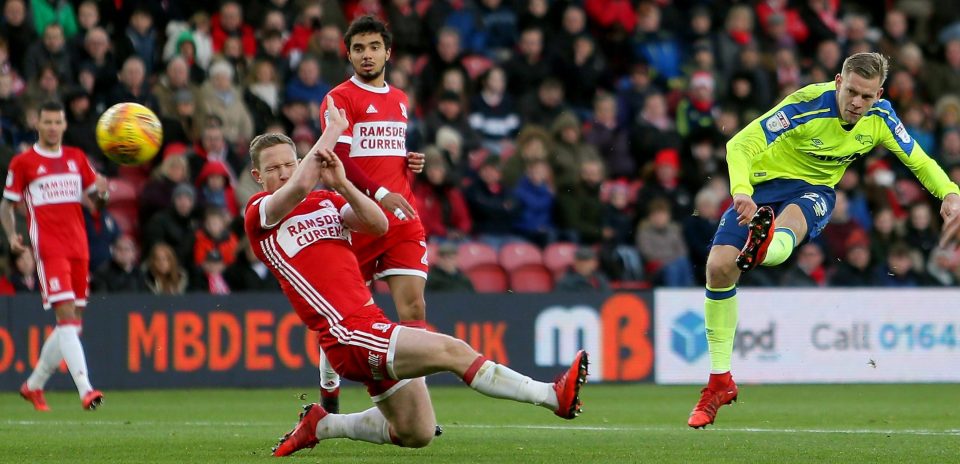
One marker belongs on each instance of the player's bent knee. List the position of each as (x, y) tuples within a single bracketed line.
[(721, 273)]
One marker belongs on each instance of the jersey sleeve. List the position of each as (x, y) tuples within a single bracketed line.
[(13, 190), (255, 217), (88, 176), (894, 137), (341, 101), (776, 126)]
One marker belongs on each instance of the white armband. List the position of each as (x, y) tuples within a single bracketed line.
[(381, 192)]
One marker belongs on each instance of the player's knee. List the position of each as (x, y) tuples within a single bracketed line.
[(455, 351), (721, 272), (416, 437)]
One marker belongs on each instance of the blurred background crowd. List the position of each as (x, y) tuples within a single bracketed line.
[(580, 141)]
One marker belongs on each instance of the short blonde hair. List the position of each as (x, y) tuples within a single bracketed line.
[(264, 141), (868, 65)]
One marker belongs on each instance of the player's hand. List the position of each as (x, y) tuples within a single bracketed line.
[(331, 170), (416, 161), (336, 117), (395, 204), (16, 244), (950, 211), (745, 208)]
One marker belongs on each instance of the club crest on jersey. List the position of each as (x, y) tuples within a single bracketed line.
[(902, 133), (864, 139), (72, 165), (327, 204), (403, 111), (778, 122), (41, 171)]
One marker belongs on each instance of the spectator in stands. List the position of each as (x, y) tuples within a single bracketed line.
[(328, 48), (533, 144), (102, 230), (944, 77), (499, 22), (24, 275), (174, 226), (943, 268), (175, 79), (97, 57), (840, 228), (854, 270), (742, 97), (445, 274), (491, 206), (440, 204), (6, 286), (214, 234), (493, 114), (446, 55), (51, 51), (884, 235), (857, 205), (704, 158), (611, 140), (573, 24), (809, 270), (88, 17), (18, 32), (262, 94), (208, 276), (655, 45), (699, 229), (162, 273), (921, 232), (141, 39), (450, 112), (215, 188), (663, 181), (54, 12), (221, 98), (632, 92), (697, 110), (661, 245), (579, 207), (306, 85), (82, 129), (619, 257), (534, 200), (229, 23), (271, 49), (530, 66), (543, 107), (46, 86), (654, 130), (214, 147), (183, 126), (407, 28), (584, 72), (120, 274), (249, 274), (132, 85), (894, 32), (898, 271), (584, 275), (157, 193), (569, 150)]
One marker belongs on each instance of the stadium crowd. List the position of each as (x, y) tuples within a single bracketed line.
[(600, 123)]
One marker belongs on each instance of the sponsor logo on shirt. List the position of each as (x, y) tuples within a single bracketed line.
[(371, 109), (902, 133), (379, 138), (56, 189), (299, 232), (778, 122)]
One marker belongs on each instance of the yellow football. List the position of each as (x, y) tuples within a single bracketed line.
[(129, 134)]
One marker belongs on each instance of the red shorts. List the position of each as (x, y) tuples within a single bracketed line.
[(361, 349), (402, 251), (63, 279)]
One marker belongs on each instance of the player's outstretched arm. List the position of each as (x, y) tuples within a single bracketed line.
[(950, 211), (307, 174), (363, 215)]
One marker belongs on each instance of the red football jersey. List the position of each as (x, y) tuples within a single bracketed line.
[(52, 184), (377, 133), (309, 253)]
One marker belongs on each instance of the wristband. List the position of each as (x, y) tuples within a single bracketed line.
[(381, 192)]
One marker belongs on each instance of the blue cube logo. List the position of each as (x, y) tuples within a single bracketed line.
[(689, 336)]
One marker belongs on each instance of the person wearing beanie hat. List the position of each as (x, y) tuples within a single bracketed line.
[(783, 168)]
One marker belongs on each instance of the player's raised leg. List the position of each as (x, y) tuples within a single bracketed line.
[(406, 416)]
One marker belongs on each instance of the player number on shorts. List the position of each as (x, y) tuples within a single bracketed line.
[(425, 252)]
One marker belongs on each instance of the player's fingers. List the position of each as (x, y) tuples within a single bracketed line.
[(949, 231), (399, 214), (406, 208)]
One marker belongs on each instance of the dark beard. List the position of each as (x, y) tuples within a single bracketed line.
[(371, 75)]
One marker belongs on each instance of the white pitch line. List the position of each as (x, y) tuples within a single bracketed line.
[(583, 428)]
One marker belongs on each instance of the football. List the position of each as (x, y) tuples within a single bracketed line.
[(129, 134)]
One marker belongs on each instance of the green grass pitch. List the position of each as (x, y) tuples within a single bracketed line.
[(621, 424)]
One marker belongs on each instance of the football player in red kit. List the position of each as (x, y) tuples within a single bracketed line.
[(51, 179), (303, 235), (373, 151)]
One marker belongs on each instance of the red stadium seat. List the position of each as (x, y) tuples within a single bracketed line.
[(476, 65), (471, 254), (558, 257), (487, 278), (531, 278), (122, 192), (514, 255), (126, 218)]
